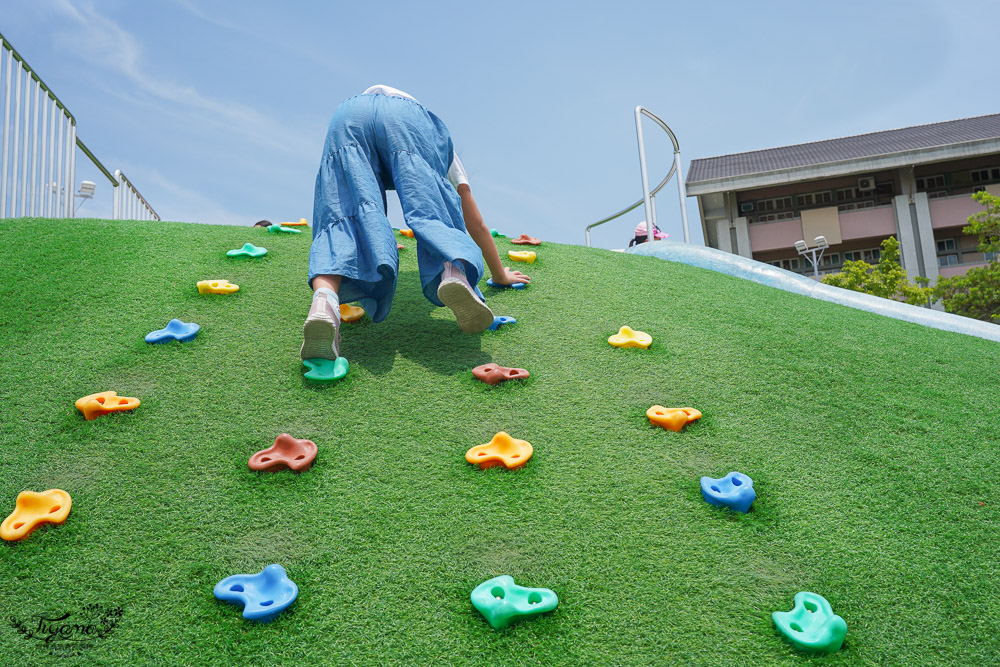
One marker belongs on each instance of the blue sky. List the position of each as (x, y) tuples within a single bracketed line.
[(217, 110)]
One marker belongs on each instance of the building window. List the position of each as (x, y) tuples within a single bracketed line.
[(846, 194), (937, 195), (989, 256), (769, 217), (787, 264), (873, 255), (852, 256), (813, 199), (944, 245), (856, 206), (947, 260), (831, 259), (776, 204), (980, 175), (930, 182)]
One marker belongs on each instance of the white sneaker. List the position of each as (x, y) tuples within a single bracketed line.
[(472, 314), (321, 332)]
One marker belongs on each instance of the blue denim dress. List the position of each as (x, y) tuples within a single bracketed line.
[(377, 143)]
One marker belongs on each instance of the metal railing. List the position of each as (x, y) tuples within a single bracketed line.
[(38, 160), (648, 197)]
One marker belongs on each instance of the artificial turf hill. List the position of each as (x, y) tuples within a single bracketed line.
[(872, 443)]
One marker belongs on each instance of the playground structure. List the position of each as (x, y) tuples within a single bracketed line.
[(649, 196)]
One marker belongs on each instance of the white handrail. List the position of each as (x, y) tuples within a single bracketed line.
[(38, 162), (648, 197)]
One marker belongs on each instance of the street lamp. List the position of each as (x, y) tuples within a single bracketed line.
[(814, 255), (86, 192)]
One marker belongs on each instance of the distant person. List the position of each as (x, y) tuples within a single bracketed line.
[(641, 234), (383, 139), (262, 223)]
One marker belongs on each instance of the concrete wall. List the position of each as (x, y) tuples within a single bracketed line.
[(766, 236), (867, 223)]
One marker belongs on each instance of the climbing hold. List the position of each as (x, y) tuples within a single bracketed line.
[(175, 330), (102, 403), (494, 374), (400, 246), (32, 509), (248, 250), (489, 281), (501, 450), (734, 491), (811, 625), (503, 602), (628, 337), (217, 287), (263, 595), (522, 256), (494, 233), (500, 320), (286, 452), (301, 223), (283, 228), (408, 233), (524, 239), (325, 370), (671, 418), (349, 313)]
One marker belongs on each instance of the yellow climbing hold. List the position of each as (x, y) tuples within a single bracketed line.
[(628, 337), (522, 256), (32, 509), (216, 287), (349, 313), (672, 418)]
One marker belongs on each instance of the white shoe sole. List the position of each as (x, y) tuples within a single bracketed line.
[(473, 315), (320, 339)]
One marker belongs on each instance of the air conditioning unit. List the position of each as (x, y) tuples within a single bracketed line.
[(746, 207), (866, 184)]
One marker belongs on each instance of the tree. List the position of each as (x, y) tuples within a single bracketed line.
[(887, 279), (977, 293)]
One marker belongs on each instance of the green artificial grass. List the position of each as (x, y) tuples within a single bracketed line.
[(872, 444)]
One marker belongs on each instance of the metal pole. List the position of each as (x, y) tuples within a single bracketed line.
[(34, 148), (43, 174), (24, 153), (6, 132), (116, 196), (70, 213), (647, 200), (57, 174), (683, 196), (17, 142)]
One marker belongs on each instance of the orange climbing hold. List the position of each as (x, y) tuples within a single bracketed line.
[(672, 418), (301, 223), (501, 450), (102, 403), (628, 337), (349, 313), (408, 233), (32, 510), (216, 287)]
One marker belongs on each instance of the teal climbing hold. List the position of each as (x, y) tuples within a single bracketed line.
[(503, 602), (248, 250), (494, 233), (811, 625), (282, 229), (325, 370)]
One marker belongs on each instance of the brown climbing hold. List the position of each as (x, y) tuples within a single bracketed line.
[(286, 452), (494, 374), (524, 239)]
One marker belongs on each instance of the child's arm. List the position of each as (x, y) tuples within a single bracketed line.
[(480, 233)]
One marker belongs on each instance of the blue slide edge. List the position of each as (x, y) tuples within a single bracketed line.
[(765, 274)]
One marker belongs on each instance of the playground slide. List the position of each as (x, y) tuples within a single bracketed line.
[(772, 276)]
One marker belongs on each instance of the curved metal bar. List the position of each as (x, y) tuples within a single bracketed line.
[(666, 179)]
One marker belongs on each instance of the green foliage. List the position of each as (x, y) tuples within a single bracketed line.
[(977, 293), (887, 279)]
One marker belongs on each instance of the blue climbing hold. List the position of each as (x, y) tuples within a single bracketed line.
[(489, 281), (263, 595), (326, 370), (500, 320), (734, 491), (175, 330)]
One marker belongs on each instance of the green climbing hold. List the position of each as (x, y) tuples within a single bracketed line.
[(248, 250), (811, 625), (494, 233), (282, 229), (325, 370), (503, 602)]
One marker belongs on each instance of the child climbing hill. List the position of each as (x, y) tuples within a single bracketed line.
[(382, 140)]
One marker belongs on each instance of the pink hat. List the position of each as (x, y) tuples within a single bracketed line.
[(640, 230)]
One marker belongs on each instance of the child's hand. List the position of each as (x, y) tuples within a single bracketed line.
[(511, 277)]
